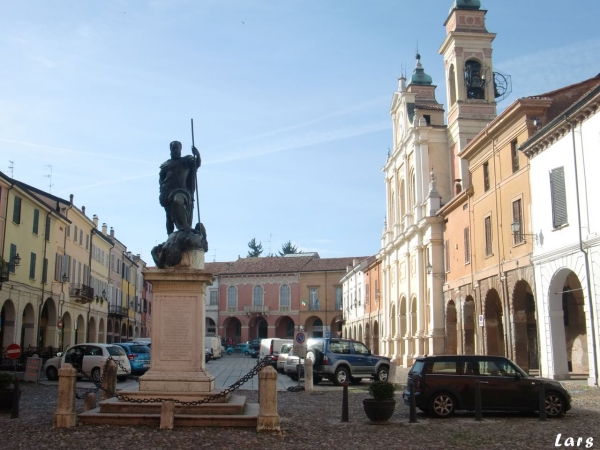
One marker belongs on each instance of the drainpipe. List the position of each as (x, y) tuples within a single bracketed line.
[(586, 259), (37, 336)]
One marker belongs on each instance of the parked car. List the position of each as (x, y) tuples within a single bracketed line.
[(89, 360), (208, 355), (444, 384), (271, 347), (214, 344), (294, 368), (282, 357), (142, 341), (344, 360), (254, 353), (239, 348), (138, 355)]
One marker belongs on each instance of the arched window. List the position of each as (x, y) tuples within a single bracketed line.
[(452, 85), (258, 296), (231, 297), (284, 297)]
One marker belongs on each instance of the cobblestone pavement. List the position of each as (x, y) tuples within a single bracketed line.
[(310, 420)]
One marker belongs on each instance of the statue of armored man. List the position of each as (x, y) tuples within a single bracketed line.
[(177, 182)]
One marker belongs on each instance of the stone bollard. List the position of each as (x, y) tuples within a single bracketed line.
[(167, 415), (268, 418), (109, 385), (308, 374), (90, 401), (392, 372), (65, 416)]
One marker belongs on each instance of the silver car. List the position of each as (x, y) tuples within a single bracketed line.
[(282, 357)]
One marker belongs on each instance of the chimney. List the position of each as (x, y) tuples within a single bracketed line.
[(95, 220), (354, 262), (112, 232), (104, 227), (71, 199), (83, 210)]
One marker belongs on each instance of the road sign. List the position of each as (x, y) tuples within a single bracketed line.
[(60, 324), (300, 344), (13, 351)]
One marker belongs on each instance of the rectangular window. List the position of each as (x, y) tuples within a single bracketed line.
[(17, 210), (559, 197), (13, 253), (486, 176), (36, 221), (214, 297), (447, 255), (338, 297), (517, 217), (87, 241), (75, 234), (80, 237), (368, 295), (68, 231), (514, 153), (467, 244), (488, 236), (45, 271), (313, 299), (231, 297), (32, 266), (47, 231)]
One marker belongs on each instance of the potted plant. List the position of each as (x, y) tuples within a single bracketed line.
[(7, 380), (381, 407)]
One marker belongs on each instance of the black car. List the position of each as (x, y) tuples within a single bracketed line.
[(444, 384)]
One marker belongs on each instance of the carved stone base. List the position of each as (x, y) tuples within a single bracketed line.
[(200, 381)]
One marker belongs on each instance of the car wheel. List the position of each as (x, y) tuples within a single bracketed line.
[(52, 373), (96, 375), (341, 376), (317, 379), (316, 356), (246, 353), (382, 374), (442, 405), (555, 405), (355, 380), (229, 353), (122, 378), (294, 377)]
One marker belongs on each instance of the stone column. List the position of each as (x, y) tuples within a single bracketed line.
[(308, 374), (178, 322), (65, 416), (268, 418)]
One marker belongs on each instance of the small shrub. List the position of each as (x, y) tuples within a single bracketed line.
[(382, 390), (6, 380)]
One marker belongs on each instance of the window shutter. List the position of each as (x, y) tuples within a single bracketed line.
[(467, 245), (488, 236), (17, 210), (47, 228), (36, 221), (32, 266), (559, 198), (45, 271)]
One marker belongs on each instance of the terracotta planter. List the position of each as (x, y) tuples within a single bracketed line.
[(379, 410)]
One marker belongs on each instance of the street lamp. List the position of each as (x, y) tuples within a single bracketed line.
[(429, 269), (516, 230), (7, 267)]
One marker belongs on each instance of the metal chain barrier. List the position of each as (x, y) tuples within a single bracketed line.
[(84, 392)]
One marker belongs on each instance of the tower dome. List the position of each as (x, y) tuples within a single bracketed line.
[(419, 76), (467, 4)]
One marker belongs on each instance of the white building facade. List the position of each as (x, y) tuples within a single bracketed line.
[(565, 213), (353, 303)]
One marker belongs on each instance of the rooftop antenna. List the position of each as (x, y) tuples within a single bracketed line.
[(49, 176), (215, 256), (270, 239), (11, 168)]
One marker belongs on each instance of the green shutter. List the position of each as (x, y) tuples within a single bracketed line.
[(559, 197), (32, 266), (36, 220), (17, 210)]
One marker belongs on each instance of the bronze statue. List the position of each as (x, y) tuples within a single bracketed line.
[(177, 179)]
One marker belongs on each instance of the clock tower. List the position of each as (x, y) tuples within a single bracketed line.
[(467, 52)]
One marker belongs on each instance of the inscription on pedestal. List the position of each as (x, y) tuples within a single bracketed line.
[(176, 343)]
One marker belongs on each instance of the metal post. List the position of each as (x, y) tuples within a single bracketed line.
[(478, 416), (542, 401), (413, 402), (16, 396), (345, 403)]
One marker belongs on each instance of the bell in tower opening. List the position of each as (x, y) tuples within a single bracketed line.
[(475, 80)]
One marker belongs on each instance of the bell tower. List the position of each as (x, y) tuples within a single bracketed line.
[(467, 52)]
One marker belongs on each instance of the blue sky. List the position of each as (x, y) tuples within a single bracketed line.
[(290, 103)]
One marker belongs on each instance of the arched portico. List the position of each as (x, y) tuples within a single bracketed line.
[(494, 325)]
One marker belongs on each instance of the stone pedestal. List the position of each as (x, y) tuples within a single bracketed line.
[(177, 355)]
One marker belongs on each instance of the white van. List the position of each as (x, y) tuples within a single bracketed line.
[(272, 347), (213, 343)]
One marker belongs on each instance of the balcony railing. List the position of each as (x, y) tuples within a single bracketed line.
[(118, 310), (81, 293), (256, 309), (232, 309)]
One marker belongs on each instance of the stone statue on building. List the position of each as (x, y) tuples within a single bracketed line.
[(177, 184)]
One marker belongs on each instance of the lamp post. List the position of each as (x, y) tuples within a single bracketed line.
[(61, 302), (516, 230), (8, 267)]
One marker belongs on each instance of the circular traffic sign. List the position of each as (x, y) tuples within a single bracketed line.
[(300, 338), (13, 351), (60, 324)]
